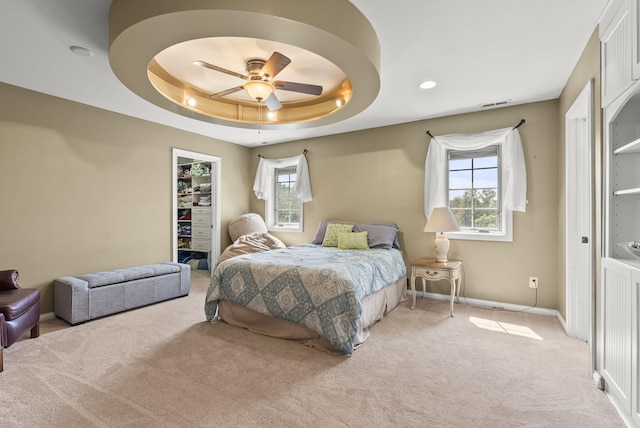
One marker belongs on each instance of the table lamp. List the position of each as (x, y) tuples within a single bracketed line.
[(441, 220)]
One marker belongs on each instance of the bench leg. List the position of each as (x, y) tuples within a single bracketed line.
[(35, 331)]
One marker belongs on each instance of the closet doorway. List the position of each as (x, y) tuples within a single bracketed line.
[(196, 208)]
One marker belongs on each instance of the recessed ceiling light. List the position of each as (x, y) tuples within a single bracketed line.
[(428, 84), (79, 50)]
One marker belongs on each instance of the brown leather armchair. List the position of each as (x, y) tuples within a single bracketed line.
[(19, 310), (1, 346)]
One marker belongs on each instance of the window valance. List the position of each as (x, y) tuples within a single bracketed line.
[(265, 177), (514, 172)]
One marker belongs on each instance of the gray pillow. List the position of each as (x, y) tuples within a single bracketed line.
[(380, 235)]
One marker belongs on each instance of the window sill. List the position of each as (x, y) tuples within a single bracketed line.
[(285, 228), (481, 236)]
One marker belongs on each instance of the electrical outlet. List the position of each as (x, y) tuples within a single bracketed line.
[(533, 282)]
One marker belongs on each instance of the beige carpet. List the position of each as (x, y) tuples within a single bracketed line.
[(165, 366)]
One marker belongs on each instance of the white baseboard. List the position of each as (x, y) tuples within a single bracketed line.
[(562, 322), (494, 305)]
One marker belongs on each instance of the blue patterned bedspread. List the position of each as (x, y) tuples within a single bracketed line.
[(319, 287)]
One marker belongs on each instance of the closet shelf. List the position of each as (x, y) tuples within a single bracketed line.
[(631, 148), (635, 191)]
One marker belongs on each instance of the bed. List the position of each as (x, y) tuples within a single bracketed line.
[(324, 295)]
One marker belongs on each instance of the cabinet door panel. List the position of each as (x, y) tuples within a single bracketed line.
[(201, 244), (617, 68), (617, 336), (201, 232), (636, 38), (201, 220), (635, 283)]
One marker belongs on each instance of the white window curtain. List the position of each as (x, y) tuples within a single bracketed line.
[(265, 177), (514, 172)]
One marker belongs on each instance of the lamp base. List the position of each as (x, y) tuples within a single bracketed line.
[(442, 247)]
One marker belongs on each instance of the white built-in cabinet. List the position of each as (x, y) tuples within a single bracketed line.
[(635, 9), (618, 330)]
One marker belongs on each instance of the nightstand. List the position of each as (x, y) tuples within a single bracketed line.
[(431, 270)]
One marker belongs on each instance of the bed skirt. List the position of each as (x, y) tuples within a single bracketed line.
[(374, 307)]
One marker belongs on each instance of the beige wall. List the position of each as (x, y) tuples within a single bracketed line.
[(378, 174), (84, 189), (587, 68)]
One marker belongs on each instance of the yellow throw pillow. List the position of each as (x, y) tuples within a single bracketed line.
[(333, 229), (353, 241)]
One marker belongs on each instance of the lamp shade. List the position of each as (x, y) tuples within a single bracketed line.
[(441, 220), (258, 90)]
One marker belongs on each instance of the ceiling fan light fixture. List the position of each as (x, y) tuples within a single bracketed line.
[(259, 90), (168, 48)]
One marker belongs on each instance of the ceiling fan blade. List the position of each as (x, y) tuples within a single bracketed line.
[(274, 65), (220, 69), (272, 102), (226, 92), (298, 87)]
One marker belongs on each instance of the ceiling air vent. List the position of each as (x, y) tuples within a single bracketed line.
[(496, 104)]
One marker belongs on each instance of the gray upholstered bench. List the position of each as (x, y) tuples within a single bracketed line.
[(85, 297)]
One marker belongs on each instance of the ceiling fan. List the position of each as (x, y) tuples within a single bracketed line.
[(258, 83)]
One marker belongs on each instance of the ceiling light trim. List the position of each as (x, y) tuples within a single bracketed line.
[(333, 29)]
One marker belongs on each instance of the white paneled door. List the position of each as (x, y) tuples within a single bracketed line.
[(579, 217)]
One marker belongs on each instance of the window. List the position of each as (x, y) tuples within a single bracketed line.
[(284, 210), (475, 194), (285, 186), (482, 177)]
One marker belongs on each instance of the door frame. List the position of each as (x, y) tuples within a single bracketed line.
[(581, 110), (215, 200)]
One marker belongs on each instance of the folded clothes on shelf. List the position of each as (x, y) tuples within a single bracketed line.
[(185, 229), (205, 200)]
